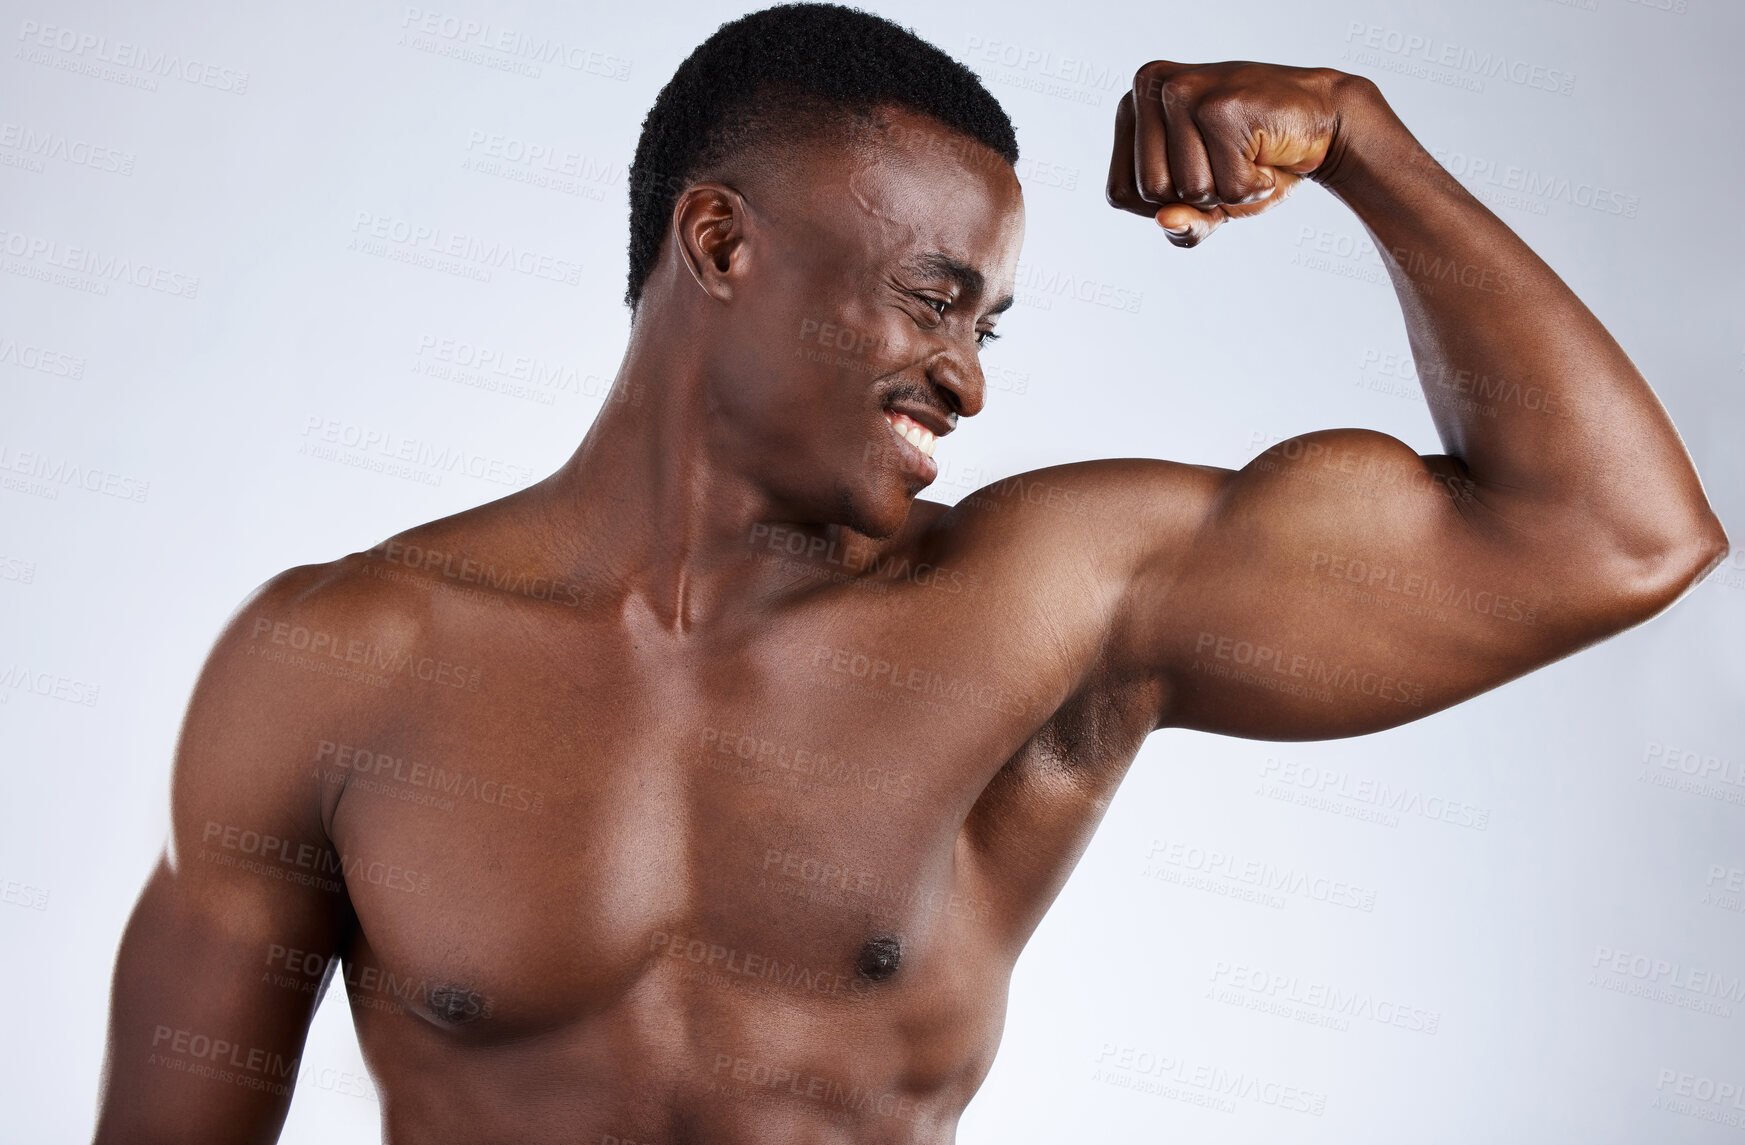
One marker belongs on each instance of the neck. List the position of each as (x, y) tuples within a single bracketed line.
[(652, 503)]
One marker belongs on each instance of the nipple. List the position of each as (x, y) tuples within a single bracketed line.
[(879, 958), (456, 1004)]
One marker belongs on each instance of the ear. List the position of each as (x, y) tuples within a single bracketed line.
[(710, 221)]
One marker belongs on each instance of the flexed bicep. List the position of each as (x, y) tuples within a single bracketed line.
[(1341, 584)]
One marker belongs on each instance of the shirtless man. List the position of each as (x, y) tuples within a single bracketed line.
[(708, 789)]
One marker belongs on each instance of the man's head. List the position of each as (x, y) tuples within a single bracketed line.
[(824, 206)]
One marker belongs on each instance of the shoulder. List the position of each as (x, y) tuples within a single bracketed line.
[(1120, 511), (344, 629), (439, 579), (1059, 552), (320, 610)]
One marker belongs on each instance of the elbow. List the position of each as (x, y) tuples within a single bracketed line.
[(1651, 578)]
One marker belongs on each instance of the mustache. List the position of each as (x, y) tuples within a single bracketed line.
[(920, 394)]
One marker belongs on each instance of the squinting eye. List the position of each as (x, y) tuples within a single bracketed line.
[(983, 337), (939, 303)]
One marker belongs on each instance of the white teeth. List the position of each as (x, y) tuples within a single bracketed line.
[(918, 436)]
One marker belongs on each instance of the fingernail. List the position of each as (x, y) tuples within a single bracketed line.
[(1178, 232)]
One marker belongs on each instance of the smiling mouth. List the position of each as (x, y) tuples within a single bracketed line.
[(912, 431)]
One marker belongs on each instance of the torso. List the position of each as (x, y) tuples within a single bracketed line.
[(763, 882)]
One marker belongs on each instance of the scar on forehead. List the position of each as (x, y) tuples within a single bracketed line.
[(871, 202)]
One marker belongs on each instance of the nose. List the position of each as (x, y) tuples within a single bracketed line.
[(958, 377)]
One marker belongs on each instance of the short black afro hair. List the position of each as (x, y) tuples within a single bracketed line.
[(782, 75)]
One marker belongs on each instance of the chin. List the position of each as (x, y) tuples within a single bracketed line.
[(873, 517)]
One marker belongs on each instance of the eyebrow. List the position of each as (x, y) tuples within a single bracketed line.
[(969, 280)]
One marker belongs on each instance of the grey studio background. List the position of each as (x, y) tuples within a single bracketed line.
[(225, 315)]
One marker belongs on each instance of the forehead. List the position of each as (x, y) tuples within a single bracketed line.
[(913, 186)]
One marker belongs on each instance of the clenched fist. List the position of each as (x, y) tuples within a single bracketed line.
[(1196, 144)]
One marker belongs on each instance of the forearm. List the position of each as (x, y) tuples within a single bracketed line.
[(1527, 389)]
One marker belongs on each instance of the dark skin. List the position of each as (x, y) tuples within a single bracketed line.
[(767, 769)]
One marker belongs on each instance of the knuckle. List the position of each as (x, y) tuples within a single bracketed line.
[(1222, 109), (1344, 83), (1154, 190), (1149, 79), (1179, 92), (1197, 192)]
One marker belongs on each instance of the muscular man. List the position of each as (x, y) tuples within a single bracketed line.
[(708, 789)]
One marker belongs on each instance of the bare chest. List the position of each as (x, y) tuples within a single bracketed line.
[(787, 820)]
